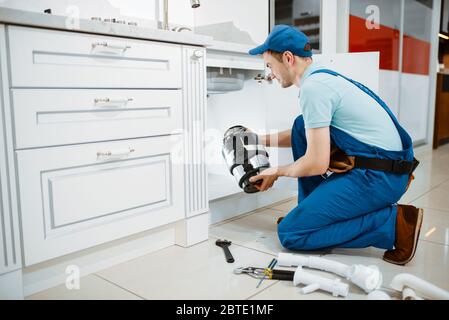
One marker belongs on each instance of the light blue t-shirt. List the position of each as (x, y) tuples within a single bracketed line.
[(327, 100)]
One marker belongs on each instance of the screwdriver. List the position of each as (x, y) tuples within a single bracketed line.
[(270, 266)]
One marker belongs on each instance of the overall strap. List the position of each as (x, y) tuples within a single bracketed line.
[(402, 132)]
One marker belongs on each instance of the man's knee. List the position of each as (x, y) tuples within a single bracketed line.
[(284, 237), (290, 235)]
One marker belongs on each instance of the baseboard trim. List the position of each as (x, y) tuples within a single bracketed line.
[(236, 205)]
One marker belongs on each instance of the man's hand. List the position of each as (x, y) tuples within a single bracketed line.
[(265, 179), (315, 161)]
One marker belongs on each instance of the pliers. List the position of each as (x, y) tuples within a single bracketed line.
[(259, 273)]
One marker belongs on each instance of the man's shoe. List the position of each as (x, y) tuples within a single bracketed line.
[(408, 226)]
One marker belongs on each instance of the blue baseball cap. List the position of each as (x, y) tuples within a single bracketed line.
[(285, 38)]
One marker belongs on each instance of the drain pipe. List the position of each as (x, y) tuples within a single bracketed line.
[(378, 295), (413, 287), (410, 294), (314, 282), (368, 278)]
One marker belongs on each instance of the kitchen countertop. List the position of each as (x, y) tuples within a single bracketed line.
[(50, 21), (230, 46)]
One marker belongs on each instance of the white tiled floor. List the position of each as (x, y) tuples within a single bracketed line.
[(200, 272)]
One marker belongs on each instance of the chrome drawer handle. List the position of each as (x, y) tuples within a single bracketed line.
[(115, 153), (112, 101), (107, 45)]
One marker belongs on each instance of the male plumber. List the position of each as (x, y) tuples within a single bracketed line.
[(352, 159)]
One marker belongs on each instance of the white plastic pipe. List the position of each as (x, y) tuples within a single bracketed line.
[(366, 277), (378, 295), (310, 288), (295, 260), (421, 287), (410, 294), (314, 282), (291, 260)]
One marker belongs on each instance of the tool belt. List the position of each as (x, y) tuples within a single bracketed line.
[(340, 162)]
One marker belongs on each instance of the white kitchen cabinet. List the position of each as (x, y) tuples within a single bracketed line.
[(75, 197), (109, 138), (81, 115), (55, 59), (105, 145), (229, 20)]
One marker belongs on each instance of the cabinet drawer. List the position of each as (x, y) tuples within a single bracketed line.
[(46, 117), (75, 197), (61, 59)]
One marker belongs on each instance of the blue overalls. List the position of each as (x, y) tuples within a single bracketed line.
[(355, 209)]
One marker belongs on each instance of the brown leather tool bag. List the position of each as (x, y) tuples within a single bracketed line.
[(339, 161), (410, 179)]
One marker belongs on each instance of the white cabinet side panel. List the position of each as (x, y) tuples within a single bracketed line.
[(194, 112), (9, 233)]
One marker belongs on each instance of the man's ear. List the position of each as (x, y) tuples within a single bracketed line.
[(288, 57)]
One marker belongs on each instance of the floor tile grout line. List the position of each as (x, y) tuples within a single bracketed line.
[(283, 211), (277, 209), (421, 195), (246, 247), (245, 215), (240, 216), (254, 249), (280, 202), (237, 217), (117, 285), (321, 254), (259, 292), (261, 251), (431, 189), (434, 242), (447, 180), (437, 209)]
